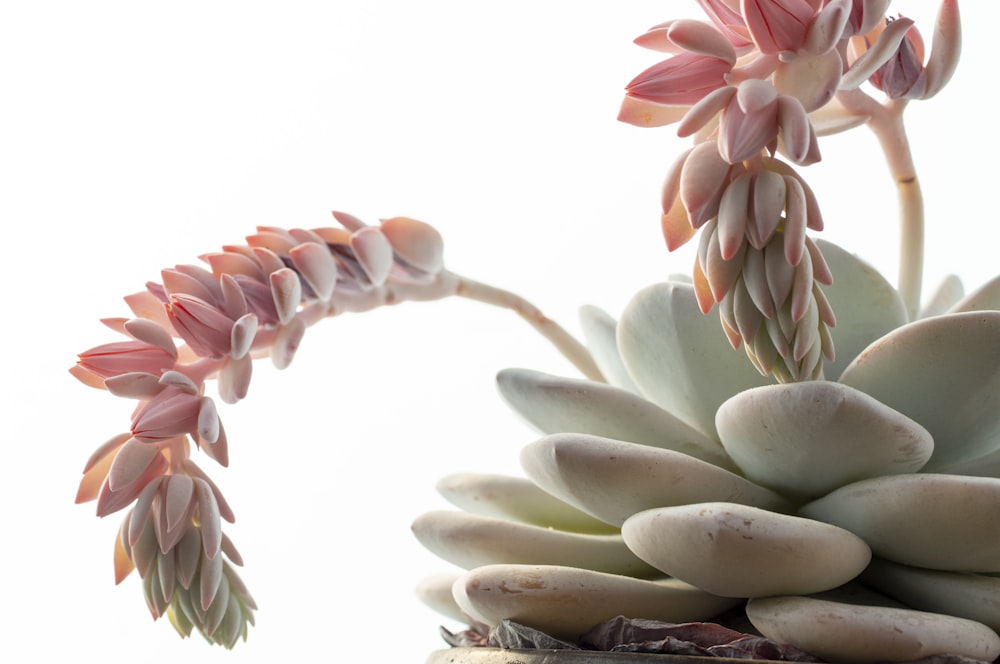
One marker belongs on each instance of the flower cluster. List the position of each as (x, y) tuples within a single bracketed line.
[(754, 87), (252, 300)]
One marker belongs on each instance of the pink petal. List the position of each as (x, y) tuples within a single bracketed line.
[(192, 469), (680, 80), (151, 333), (130, 463), (416, 242), (234, 301), (828, 27), (769, 194), (795, 221), (187, 555), (134, 385), (703, 178), (180, 381), (243, 334), (269, 261), (209, 518), (348, 221), (705, 110), (142, 511), (374, 253), (777, 25), (644, 113), (811, 79), (123, 562), (177, 499), (701, 38), (275, 239), (208, 421), (880, 52), (230, 262), (146, 305), (286, 290), (219, 450), (95, 472), (175, 282), (211, 579), (317, 267), (234, 380), (798, 139), (303, 235), (945, 49), (286, 342), (733, 211)]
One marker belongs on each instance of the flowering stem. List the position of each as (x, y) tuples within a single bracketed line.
[(571, 349), (886, 122)]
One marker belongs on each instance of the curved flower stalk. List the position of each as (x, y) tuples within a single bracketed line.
[(766, 78), (835, 498), (199, 323)]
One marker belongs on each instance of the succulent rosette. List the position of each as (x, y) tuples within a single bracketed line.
[(733, 487), (841, 485)]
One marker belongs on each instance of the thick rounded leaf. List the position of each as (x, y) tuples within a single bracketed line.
[(471, 540), (679, 358), (565, 602), (943, 372), (518, 499), (972, 596), (613, 480), (807, 439), (838, 632), (866, 305), (571, 405), (984, 298), (945, 522), (435, 592), (600, 332), (739, 551)]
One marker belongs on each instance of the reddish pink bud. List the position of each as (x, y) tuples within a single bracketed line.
[(123, 357), (903, 74), (778, 25), (205, 328), (173, 412), (681, 80), (726, 16)]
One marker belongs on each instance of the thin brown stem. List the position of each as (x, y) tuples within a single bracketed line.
[(571, 349)]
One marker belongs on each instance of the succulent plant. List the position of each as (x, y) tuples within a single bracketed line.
[(837, 480)]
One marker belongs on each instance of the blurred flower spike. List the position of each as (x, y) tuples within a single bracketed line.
[(203, 323), (755, 86)]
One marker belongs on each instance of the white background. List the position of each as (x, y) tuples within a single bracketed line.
[(139, 135)]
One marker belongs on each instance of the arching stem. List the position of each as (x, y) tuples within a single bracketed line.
[(886, 122), (570, 348)]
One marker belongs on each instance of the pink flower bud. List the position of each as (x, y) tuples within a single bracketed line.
[(173, 412), (123, 357), (681, 80), (206, 329)]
